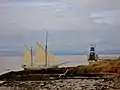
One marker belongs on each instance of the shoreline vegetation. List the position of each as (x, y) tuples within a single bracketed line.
[(107, 66), (103, 74)]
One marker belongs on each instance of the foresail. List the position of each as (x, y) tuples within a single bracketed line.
[(27, 57), (40, 55), (53, 60)]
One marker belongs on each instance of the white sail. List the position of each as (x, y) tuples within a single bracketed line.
[(39, 56), (53, 60), (40, 59), (26, 62)]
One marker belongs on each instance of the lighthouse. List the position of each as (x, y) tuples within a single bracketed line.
[(92, 54)]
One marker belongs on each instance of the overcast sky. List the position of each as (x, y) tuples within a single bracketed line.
[(72, 24)]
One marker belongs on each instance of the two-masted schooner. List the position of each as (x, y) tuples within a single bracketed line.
[(42, 60)]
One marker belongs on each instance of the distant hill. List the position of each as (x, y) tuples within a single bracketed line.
[(76, 52), (109, 52), (69, 52)]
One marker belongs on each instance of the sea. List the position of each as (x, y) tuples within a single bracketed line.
[(13, 63)]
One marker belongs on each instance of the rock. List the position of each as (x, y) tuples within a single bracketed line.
[(65, 84)]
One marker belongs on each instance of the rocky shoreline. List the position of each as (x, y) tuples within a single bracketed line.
[(63, 84)]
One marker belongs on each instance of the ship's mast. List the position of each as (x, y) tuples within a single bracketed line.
[(46, 62), (31, 57)]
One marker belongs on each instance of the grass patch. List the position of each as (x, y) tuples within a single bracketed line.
[(103, 66)]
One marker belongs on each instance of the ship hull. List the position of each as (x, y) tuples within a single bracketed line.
[(41, 67)]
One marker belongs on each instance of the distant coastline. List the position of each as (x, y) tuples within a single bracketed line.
[(60, 52)]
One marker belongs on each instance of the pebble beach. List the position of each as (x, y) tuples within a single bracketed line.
[(63, 84)]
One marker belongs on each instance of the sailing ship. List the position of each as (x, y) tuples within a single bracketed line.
[(43, 59)]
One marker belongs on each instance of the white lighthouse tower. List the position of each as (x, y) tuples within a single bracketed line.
[(92, 57)]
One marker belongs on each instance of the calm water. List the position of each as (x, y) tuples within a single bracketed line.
[(14, 62)]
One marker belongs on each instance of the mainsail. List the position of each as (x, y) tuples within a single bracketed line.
[(39, 55), (27, 57), (40, 59)]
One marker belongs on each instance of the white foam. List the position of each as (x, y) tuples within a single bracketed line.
[(9, 71)]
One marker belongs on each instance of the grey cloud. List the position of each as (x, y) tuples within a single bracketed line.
[(110, 17), (71, 24), (101, 5)]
